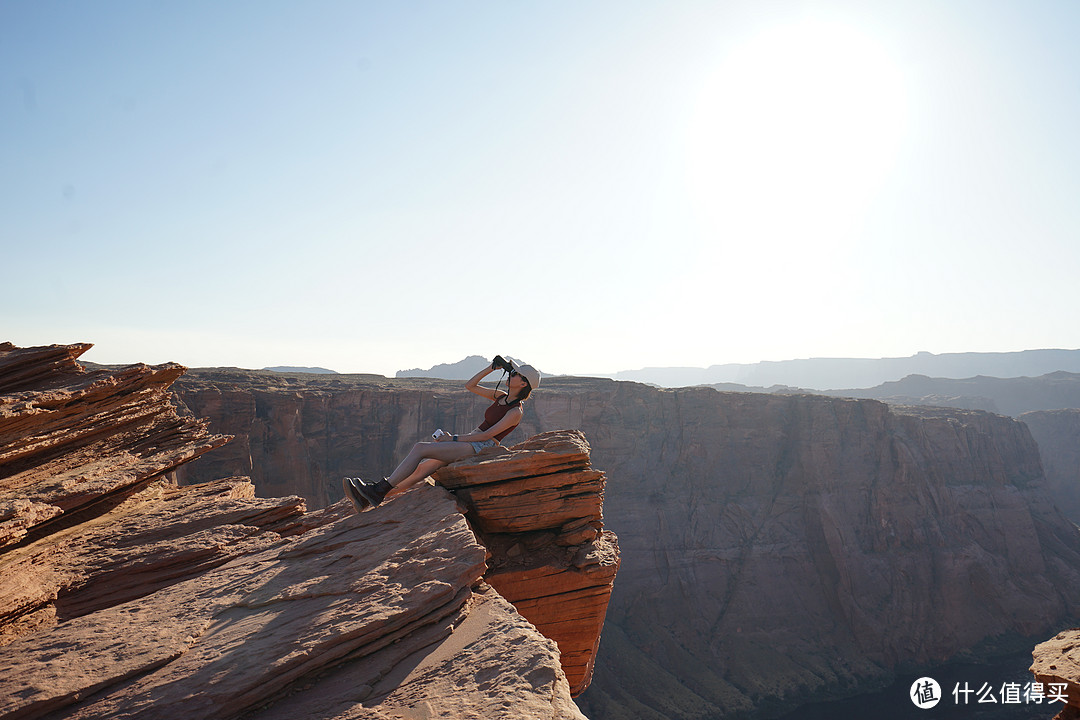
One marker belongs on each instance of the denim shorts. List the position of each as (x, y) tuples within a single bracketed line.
[(478, 446)]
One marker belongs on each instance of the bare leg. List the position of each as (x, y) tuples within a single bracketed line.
[(423, 470), (416, 466)]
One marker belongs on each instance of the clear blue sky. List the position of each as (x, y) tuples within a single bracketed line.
[(372, 186)]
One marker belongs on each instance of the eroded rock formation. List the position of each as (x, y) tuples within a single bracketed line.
[(69, 438), (125, 596), (1056, 664), (539, 508)]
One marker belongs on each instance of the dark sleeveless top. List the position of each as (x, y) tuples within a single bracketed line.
[(494, 414)]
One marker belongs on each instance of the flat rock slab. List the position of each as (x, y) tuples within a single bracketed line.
[(155, 538), (231, 639), (489, 645)]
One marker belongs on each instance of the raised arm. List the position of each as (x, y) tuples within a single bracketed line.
[(473, 385)]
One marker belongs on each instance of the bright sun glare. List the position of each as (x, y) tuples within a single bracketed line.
[(791, 138)]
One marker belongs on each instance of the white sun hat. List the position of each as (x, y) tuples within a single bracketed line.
[(529, 373)]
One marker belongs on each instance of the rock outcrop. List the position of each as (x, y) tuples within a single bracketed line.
[(69, 438), (125, 596), (1056, 664), (775, 549), (539, 508)]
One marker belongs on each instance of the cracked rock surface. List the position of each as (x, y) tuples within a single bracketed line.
[(125, 596)]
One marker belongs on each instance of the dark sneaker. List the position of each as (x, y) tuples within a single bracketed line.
[(358, 500), (373, 494)]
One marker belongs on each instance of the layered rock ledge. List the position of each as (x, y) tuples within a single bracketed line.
[(538, 507), (125, 596), (71, 438)]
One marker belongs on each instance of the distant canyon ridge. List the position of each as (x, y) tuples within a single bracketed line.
[(831, 373), (817, 373)]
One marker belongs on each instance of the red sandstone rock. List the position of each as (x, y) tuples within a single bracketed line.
[(151, 540), (541, 484), (124, 596), (565, 594), (1056, 662), (490, 663), (83, 436), (225, 641), (543, 495)]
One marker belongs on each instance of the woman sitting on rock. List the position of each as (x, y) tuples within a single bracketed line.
[(501, 417)]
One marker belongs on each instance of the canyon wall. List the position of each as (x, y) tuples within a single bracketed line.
[(775, 549), (1058, 434), (1049, 405)]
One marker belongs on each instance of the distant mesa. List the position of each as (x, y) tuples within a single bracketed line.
[(827, 374), (462, 370), (815, 374), (1013, 396), (291, 369)]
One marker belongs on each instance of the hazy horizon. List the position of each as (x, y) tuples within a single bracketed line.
[(804, 368), (590, 187)]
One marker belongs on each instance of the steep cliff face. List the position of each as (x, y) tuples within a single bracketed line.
[(539, 509), (1058, 434), (125, 596), (830, 543), (775, 549)]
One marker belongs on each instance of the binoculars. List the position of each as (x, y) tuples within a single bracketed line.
[(501, 363)]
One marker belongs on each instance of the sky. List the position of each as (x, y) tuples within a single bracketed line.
[(588, 187)]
